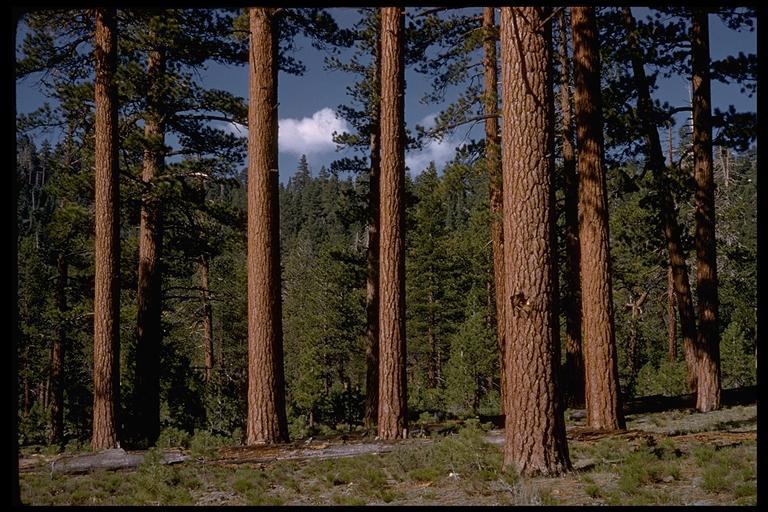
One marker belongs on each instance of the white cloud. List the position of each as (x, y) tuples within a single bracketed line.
[(428, 121), (310, 135), (439, 151)]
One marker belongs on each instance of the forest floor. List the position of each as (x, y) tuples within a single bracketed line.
[(673, 457)]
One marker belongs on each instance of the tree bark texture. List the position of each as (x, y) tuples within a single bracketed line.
[(56, 411), (495, 181), (372, 257), (207, 317), (573, 386), (601, 369), (392, 345), (671, 228), (146, 397), (708, 346), (535, 439), (106, 305), (267, 421), (671, 319)]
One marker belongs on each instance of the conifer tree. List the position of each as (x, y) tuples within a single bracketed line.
[(600, 361), (106, 341), (392, 351), (266, 422), (535, 439), (708, 390)]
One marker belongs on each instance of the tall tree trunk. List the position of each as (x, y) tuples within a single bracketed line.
[(495, 182), (106, 303), (56, 420), (671, 320), (574, 363), (207, 317), (535, 439), (670, 226), (267, 421), (392, 346), (601, 369), (372, 256), (146, 397), (708, 392)]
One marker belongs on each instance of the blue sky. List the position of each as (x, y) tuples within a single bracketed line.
[(308, 102)]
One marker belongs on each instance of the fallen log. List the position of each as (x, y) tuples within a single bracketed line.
[(112, 459)]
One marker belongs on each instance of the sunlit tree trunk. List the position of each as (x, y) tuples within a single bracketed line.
[(267, 421), (392, 345), (535, 439), (106, 305), (601, 369)]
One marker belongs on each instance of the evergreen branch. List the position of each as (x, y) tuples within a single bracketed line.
[(439, 131)]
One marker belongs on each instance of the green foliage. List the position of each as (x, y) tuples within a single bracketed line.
[(737, 367), (472, 359), (668, 379), (172, 437)]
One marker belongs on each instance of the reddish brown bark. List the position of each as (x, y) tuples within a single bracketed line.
[(106, 312), (207, 317), (372, 257), (671, 320), (573, 386), (601, 370), (267, 421), (146, 390), (495, 182), (56, 390), (392, 345), (670, 226), (708, 341), (535, 439)]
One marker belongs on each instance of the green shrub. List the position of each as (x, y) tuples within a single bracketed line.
[(172, 437), (668, 379), (204, 443), (737, 358)]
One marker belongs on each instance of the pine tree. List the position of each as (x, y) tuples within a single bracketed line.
[(267, 421), (708, 390), (600, 361), (106, 341), (392, 351), (535, 439)]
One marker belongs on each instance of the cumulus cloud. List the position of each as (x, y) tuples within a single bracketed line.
[(439, 151), (310, 135)]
